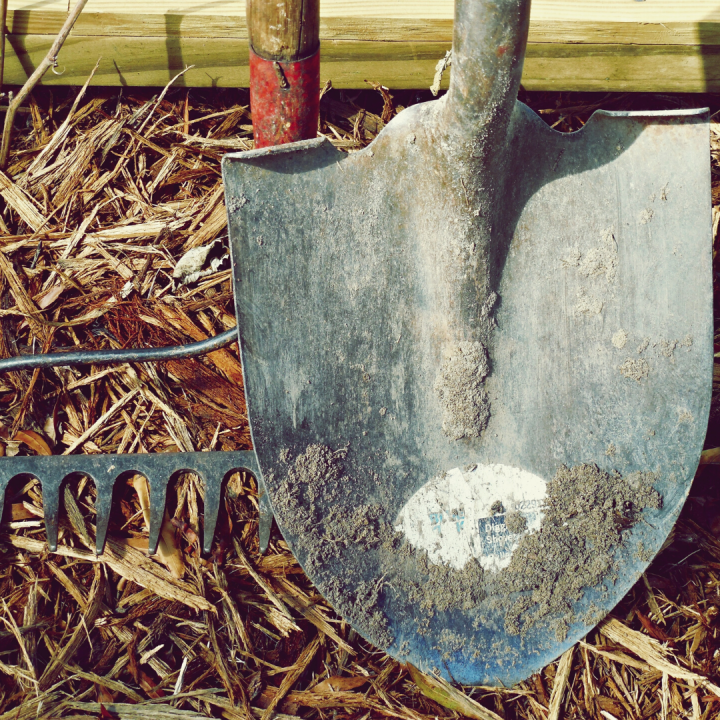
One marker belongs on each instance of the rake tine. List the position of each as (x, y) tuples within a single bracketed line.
[(103, 504), (104, 471), (158, 492), (213, 488), (4, 479), (51, 508)]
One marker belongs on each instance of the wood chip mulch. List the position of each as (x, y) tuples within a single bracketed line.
[(105, 192)]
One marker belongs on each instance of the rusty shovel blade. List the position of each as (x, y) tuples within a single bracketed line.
[(478, 358)]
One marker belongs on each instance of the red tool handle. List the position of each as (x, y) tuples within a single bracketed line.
[(284, 70)]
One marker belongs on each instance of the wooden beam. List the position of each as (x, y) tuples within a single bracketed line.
[(656, 45)]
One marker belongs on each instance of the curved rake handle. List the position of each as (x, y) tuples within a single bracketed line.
[(489, 40)]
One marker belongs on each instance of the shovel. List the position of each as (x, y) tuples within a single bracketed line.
[(478, 358)]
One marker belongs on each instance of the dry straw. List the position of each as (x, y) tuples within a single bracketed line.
[(103, 194)]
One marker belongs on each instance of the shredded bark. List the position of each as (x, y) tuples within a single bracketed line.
[(99, 206)]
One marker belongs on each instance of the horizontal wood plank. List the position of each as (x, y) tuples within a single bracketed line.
[(381, 29), (600, 11), (153, 61), (655, 45)]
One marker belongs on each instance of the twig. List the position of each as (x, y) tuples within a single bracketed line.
[(101, 421), (48, 61), (162, 96), (3, 20), (561, 679)]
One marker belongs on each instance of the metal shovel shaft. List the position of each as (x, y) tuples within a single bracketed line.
[(489, 41)]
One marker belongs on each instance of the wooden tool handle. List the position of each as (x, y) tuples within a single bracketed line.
[(284, 30), (284, 63)]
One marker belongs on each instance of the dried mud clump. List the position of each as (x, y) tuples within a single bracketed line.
[(459, 387), (619, 339), (515, 522), (364, 525), (586, 512), (317, 472), (635, 369), (361, 602), (602, 260)]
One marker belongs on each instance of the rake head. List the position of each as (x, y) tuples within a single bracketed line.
[(213, 468)]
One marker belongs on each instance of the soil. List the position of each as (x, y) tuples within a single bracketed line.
[(587, 514), (515, 522), (432, 588), (619, 339), (323, 539), (635, 369), (459, 387)]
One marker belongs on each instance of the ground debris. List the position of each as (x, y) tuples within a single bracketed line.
[(96, 215)]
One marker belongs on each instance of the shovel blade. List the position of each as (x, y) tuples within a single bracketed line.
[(586, 325)]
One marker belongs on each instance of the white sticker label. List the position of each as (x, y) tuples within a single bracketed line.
[(480, 512)]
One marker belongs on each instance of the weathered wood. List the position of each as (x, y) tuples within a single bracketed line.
[(153, 61), (381, 28), (596, 11), (593, 45), (284, 30)]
